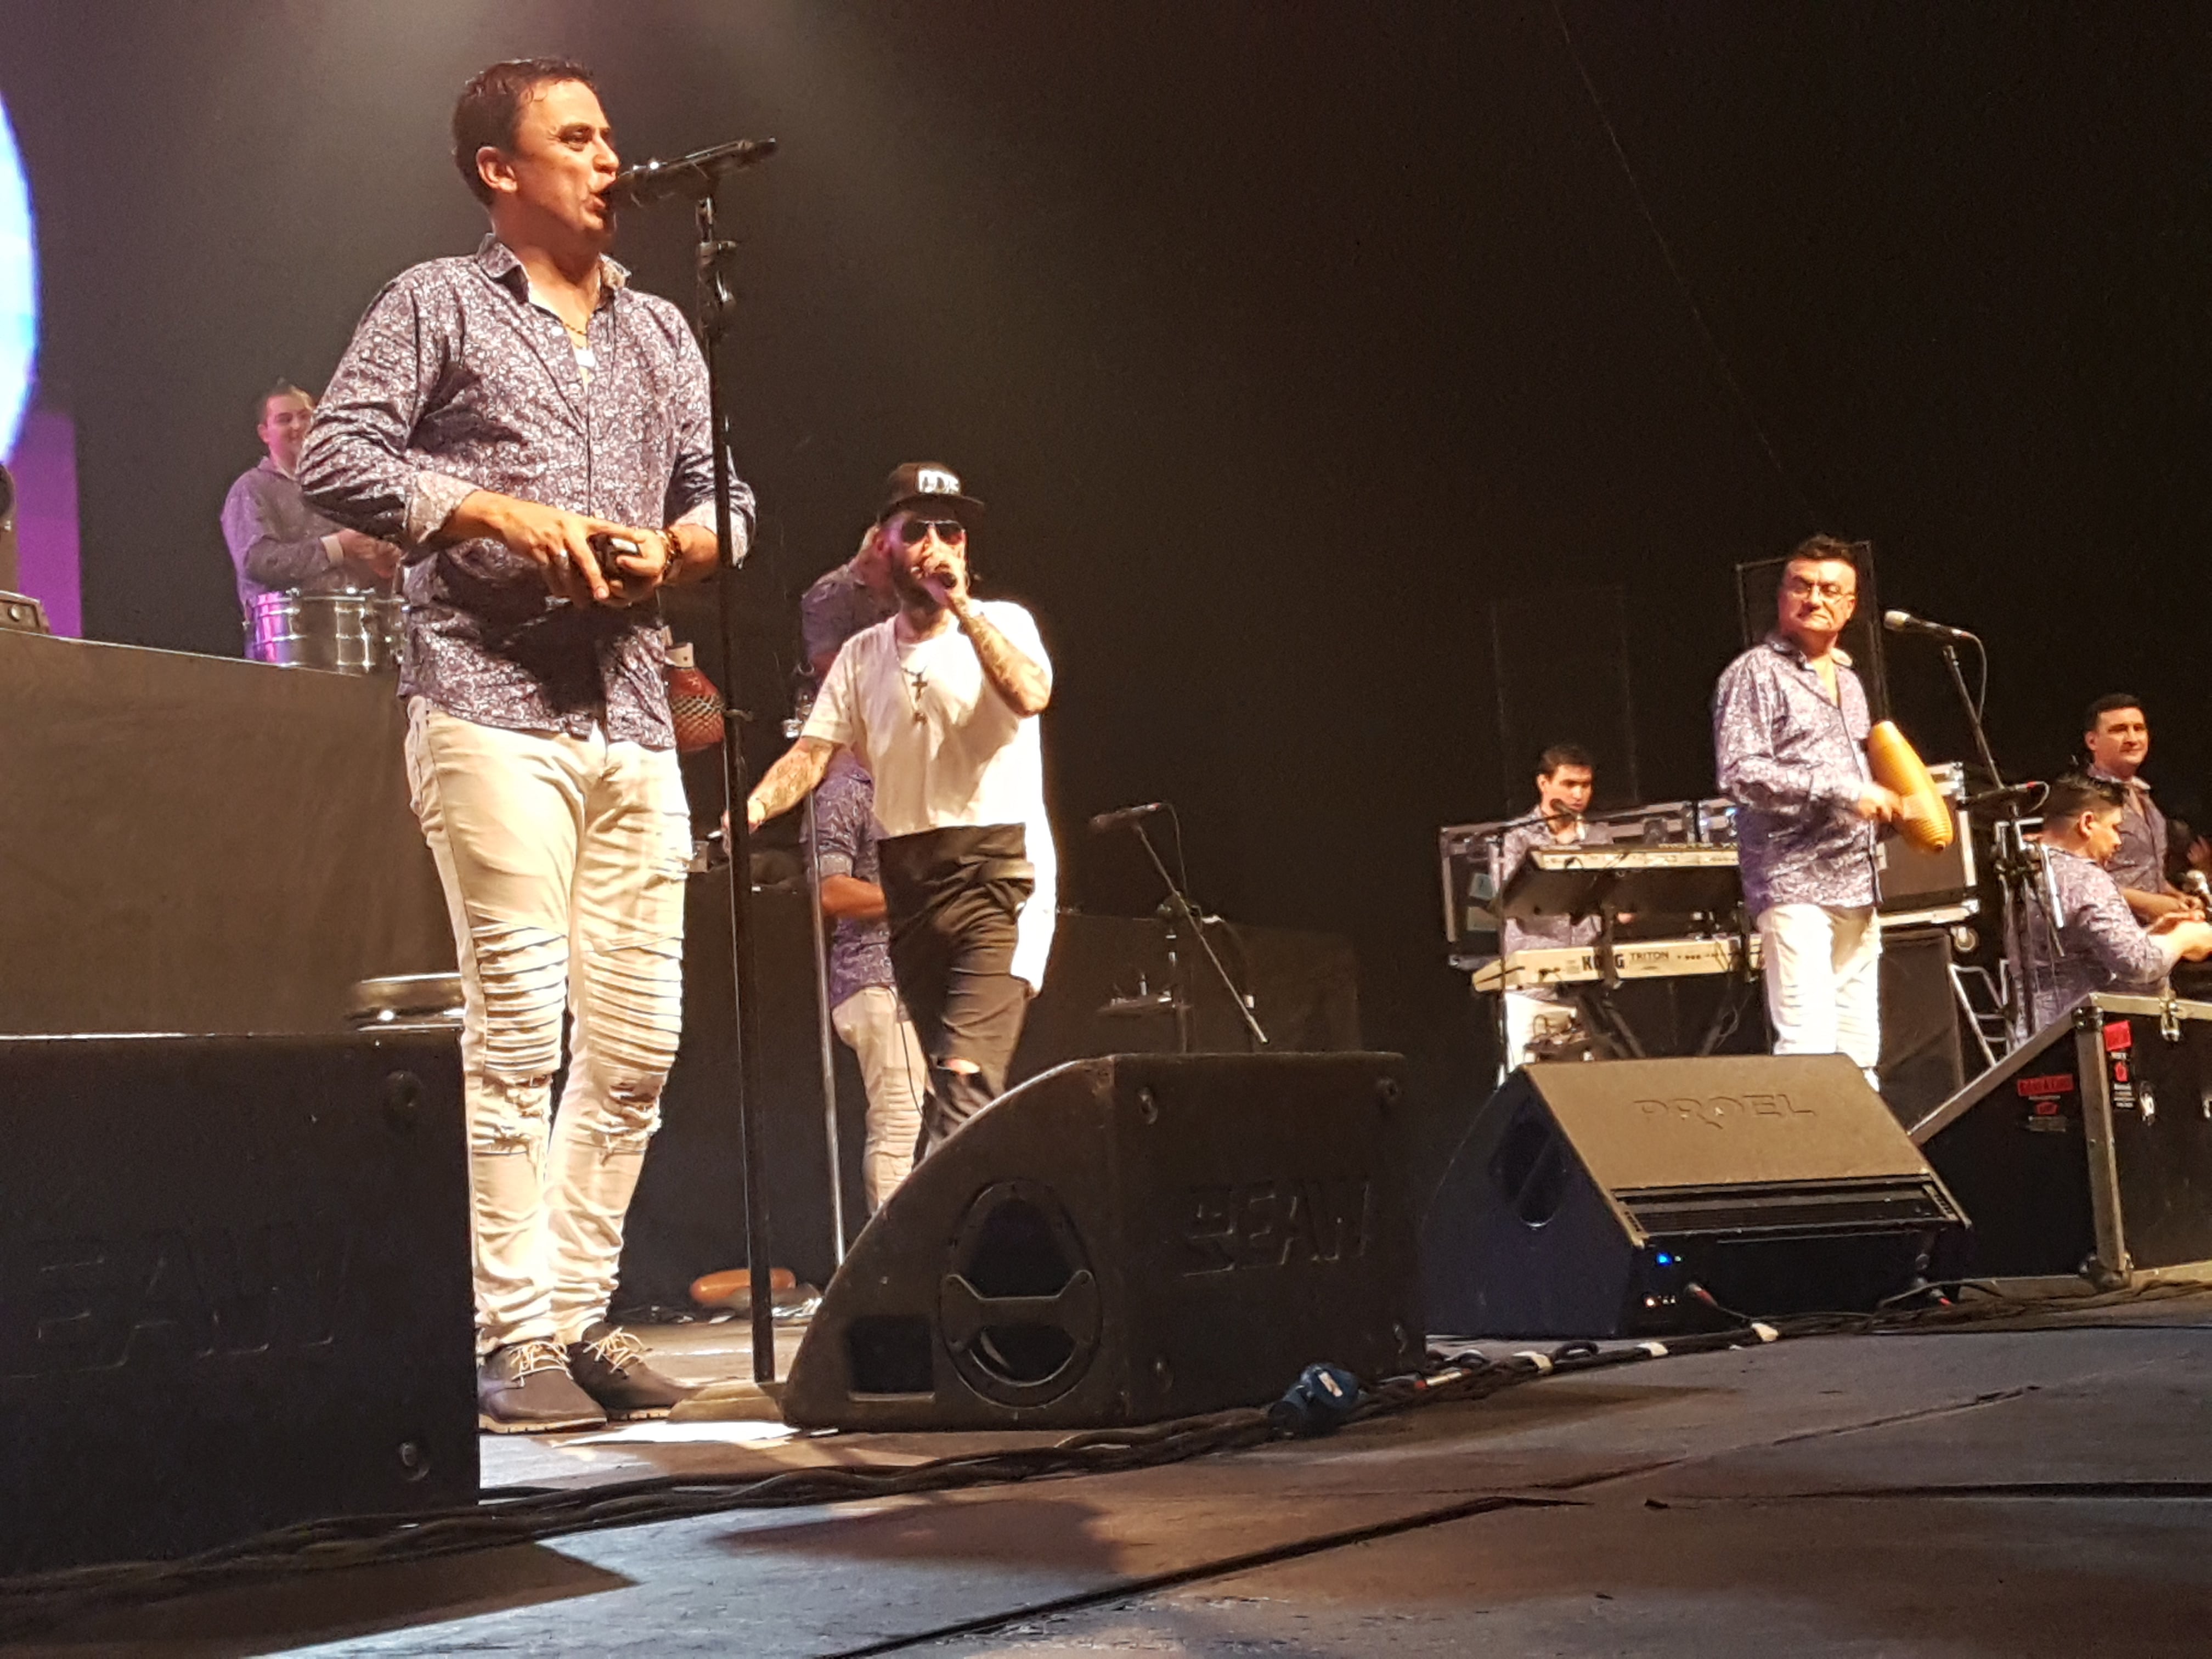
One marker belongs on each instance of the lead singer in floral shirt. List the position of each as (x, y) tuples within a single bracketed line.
[(493, 414), (1790, 730)]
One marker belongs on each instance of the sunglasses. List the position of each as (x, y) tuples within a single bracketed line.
[(950, 532)]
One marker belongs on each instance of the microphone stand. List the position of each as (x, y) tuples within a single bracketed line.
[(1178, 905), (715, 305), (2015, 864)]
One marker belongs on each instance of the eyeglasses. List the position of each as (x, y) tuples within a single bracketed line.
[(950, 532), (1797, 588)]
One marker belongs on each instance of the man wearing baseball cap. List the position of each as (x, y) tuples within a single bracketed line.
[(940, 703)]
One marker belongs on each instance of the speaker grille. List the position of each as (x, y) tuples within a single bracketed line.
[(1781, 1210)]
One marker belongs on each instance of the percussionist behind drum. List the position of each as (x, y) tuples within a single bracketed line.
[(278, 542)]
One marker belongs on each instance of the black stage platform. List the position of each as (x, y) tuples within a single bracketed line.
[(1984, 1491)]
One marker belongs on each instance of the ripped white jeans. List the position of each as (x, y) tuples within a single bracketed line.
[(874, 1026), (563, 860), (1823, 967)]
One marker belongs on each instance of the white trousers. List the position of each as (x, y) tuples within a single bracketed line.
[(1823, 968), (872, 1023), (563, 862), (1523, 1012)]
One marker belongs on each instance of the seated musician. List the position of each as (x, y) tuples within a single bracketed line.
[(278, 542), (1564, 781), (2116, 738), (2099, 945)]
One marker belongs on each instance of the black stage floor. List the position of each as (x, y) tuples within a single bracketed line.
[(1986, 1491)]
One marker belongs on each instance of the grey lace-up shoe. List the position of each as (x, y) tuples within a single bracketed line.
[(524, 1388), (609, 1364)]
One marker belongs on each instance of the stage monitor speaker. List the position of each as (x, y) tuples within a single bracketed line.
[(2087, 1150), (234, 1290), (1126, 1239), (1588, 1199)]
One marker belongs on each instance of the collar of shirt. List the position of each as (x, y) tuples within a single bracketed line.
[(499, 262), (2137, 788), (1783, 645), (269, 464), (846, 579)]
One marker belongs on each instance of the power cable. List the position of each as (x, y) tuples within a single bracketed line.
[(527, 1514)]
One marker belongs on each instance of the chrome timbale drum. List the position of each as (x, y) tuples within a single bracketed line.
[(347, 633)]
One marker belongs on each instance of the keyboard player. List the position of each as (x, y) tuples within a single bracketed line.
[(1564, 781)]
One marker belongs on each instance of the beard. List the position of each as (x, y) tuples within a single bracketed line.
[(913, 591)]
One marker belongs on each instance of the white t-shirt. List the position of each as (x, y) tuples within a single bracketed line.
[(944, 748)]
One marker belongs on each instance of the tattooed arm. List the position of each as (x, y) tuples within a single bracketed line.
[(786, 783), (1020, 684)]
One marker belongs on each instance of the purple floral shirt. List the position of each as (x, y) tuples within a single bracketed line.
[(2100, 946), (845, 841), (1545, 932), (839, 605), (278, 542), (457, 381), (2141, 862), (1793, 761)]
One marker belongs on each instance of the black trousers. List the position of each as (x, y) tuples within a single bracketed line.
[(954, 899)]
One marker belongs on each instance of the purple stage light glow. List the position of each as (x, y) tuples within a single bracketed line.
[(19, 290), (37, 442)]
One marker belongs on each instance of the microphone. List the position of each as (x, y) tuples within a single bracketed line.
[(694, 174), (1125, 815), (1904, 622)]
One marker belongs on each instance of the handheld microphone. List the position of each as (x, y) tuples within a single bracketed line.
[(1123, 814), (1904, 622), (694, 174)]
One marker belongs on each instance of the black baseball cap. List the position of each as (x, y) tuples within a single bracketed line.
[(928, 487)]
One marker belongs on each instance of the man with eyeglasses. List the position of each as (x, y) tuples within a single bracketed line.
[(1789, 730), (940, 703)]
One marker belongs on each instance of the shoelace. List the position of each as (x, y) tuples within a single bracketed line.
[(618, 1350), (536, 1356)]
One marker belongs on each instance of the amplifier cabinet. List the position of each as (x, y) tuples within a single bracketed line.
[(233, 1289), (1911, 879), (2088, 1149)]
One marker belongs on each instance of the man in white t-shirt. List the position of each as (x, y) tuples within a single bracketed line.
[(940, 703)]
